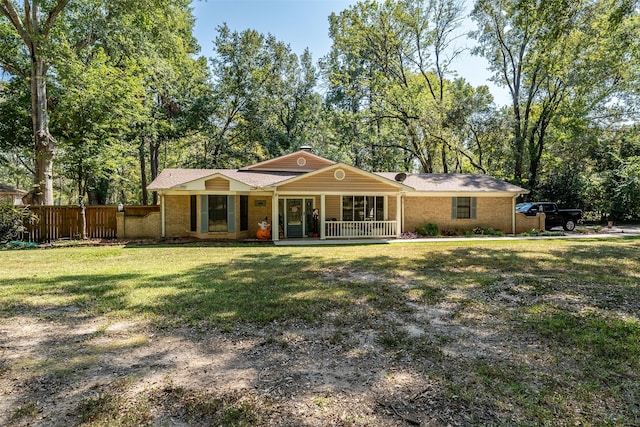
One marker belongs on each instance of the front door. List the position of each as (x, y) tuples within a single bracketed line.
[(294, 217)]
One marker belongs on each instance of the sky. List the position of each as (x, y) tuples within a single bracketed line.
[(305, 24)]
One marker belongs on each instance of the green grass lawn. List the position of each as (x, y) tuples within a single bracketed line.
[(546, 332)]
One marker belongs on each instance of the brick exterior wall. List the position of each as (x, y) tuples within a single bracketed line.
[(494, 212), (139, 227), (257, 214), (177, 216), (528, 223)]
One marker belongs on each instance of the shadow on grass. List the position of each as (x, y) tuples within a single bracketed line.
[(267, 295)]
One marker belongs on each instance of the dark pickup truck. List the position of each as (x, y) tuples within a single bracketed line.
[(554, 217)]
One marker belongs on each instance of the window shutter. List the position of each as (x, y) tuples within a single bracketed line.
[(204, 214), (231, 214), (454, 208), (473, 208), (193, 213)]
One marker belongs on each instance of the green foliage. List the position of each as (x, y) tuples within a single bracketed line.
[(127, 96), (485, 231), (13, 220), (389, 91), (534, 232), (93, 116), (404, 306), (538, 49), (611, 190), (15, 118), (429, 229), (263, 102), (16, 143), (94, 57)]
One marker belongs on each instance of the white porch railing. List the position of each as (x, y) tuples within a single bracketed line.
[(349, 229)]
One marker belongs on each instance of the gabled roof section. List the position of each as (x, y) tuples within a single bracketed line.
[(7, 189), (455, 183), (182, 179), (300, 161), (340, 177)]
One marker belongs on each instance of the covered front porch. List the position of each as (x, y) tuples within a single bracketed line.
[(336, 216)]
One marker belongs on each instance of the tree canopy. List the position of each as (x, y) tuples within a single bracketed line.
[(99, 96)]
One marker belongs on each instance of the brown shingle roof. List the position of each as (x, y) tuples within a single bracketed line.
[(441, 182), (7, 189), (170, 178)]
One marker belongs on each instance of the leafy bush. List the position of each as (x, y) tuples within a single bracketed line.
[(450, 232), (410, 235), (429, 229), (534, 232), (13, 220), (486, 231)]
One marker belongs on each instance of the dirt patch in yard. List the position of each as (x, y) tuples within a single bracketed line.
[(452, 357), (95, 371), (60, 368)]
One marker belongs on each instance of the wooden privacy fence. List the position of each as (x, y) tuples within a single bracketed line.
[(65, 222)]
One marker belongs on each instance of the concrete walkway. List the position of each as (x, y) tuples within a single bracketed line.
[(605, 233)]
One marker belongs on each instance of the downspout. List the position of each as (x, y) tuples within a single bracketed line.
[(162, 211), (513, 214), (399, 213)]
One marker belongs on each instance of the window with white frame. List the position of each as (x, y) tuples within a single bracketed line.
[(363, 208)]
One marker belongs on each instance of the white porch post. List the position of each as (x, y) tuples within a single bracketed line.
[(322, 217), (399, 215), (275, 219), (513, 214), (162, 215)]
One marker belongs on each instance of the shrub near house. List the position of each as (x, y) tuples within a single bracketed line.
[(13, 220)]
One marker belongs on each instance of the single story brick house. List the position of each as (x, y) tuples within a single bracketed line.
[(311, 196)]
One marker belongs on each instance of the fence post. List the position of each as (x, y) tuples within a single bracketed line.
[(120, 230)]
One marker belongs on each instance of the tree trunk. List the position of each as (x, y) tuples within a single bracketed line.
[(518, 142), (154, 160), (80, 182), (143, 173), (445, 166), (44, 143), (33, 33), (83, 217)]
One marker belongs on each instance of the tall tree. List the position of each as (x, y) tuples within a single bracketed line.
[(38, 35), (551, 55), (15, 133), (263, 101), (33, 26), (392, 62), (96, 100)]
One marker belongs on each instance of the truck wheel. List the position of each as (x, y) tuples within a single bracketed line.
[(570, 225)]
